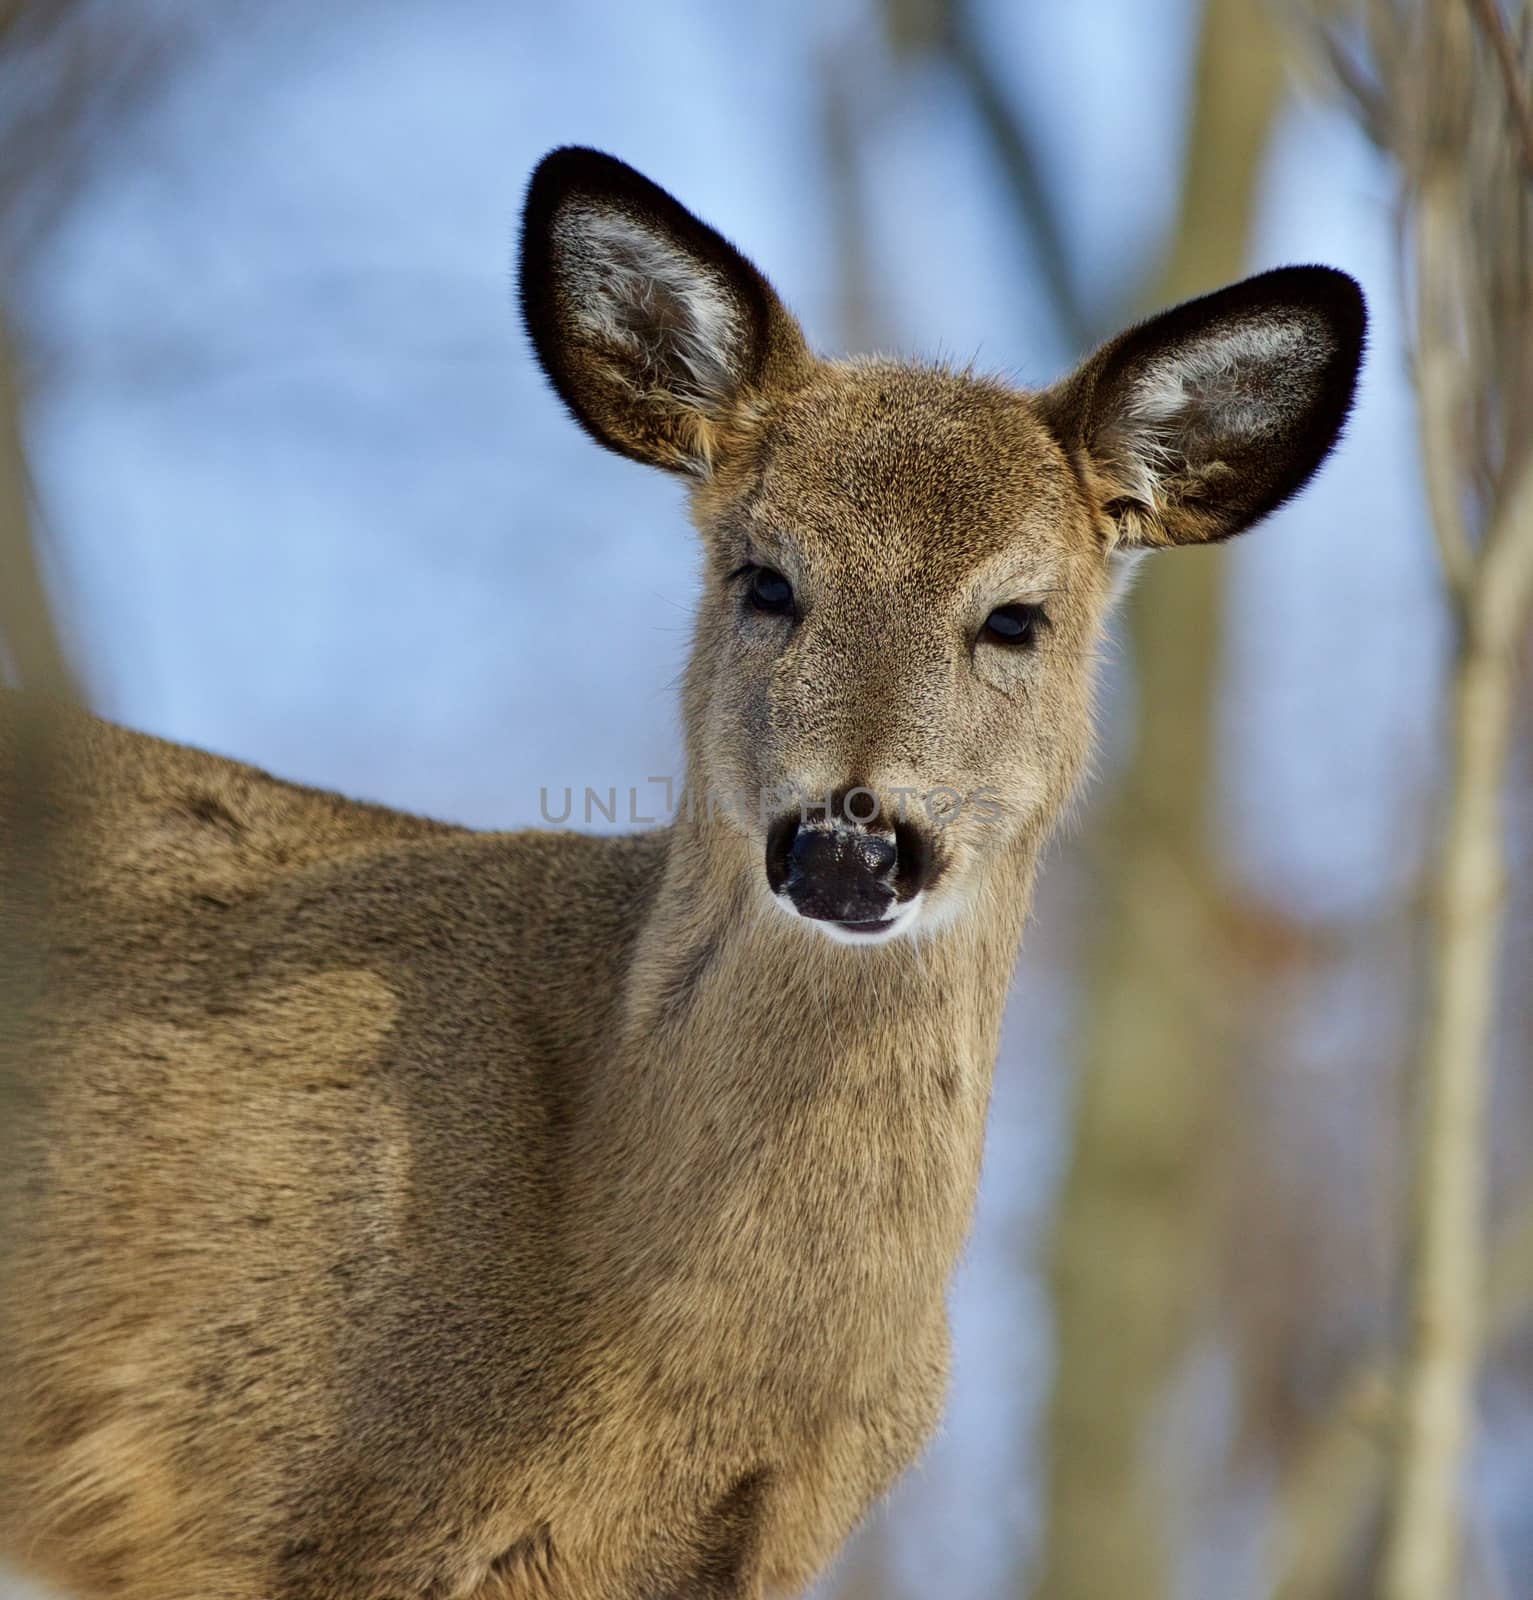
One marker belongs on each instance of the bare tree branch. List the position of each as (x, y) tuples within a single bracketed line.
[(1369, 105), (1465, 192), (1335, 1484), (1022, 171), (1141, 1182), (1447, 1271), (1441, 383), (1504, 581), (945, 31)]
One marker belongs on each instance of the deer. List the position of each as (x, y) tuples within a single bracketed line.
[(396, 1210)]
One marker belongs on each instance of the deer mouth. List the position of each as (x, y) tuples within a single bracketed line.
[(863, 931)]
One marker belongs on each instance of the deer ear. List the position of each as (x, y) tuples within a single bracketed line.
[(1202, 420), (657, 333)]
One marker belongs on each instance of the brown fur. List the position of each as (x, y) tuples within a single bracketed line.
[(405, 1212)]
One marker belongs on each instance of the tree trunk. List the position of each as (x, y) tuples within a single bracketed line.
[(1132, 1249)]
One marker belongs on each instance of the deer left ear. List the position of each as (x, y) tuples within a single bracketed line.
[(1197, 423), (658, 334)]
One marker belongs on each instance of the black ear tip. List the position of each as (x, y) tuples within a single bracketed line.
[(569, 169), (1346, 312), (577, 169), (577, 166), (1343, 295), (1337, 295)]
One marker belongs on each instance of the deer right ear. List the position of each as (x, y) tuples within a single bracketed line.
[(1197, 423), (656, 332)]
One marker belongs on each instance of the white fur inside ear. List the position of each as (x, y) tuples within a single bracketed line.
[(1243, 382), (1241, 375), (634, 292)]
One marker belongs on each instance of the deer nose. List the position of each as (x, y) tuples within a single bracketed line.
[(843, 871), (841, 847)]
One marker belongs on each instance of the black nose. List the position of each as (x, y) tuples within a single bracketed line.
[(840, 871), (818, 851)]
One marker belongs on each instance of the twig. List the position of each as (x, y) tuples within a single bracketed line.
[(1448, 1277), (1023, 172), (1504, 582), (1448, 1271), (1368, 101), (1470, 232), (1440, 382), (1493, 25), (1492, 585), (1333, 1486)]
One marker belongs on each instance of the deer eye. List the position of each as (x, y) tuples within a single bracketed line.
[(1015, 626), (769, 591)]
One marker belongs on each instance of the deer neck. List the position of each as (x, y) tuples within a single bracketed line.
[(775, 1096)]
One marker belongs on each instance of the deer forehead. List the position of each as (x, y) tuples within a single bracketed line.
[(891, 470)]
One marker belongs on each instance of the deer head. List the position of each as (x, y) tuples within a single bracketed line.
[(907, 568)]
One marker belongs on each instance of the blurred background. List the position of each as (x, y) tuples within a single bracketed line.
[(274, 450)]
